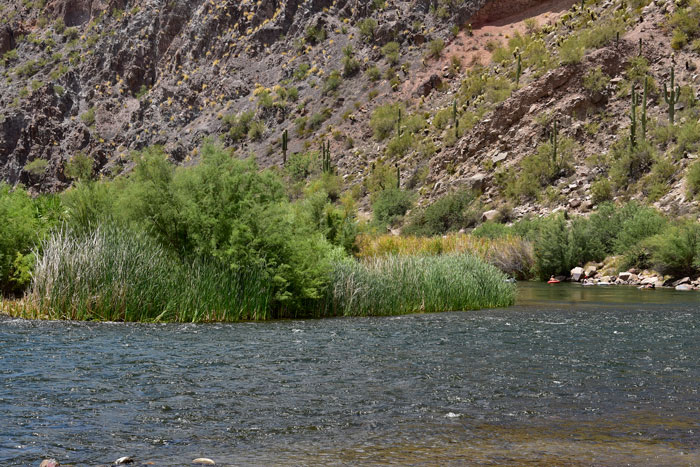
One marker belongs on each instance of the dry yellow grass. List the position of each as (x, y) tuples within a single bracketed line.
[(511, 254)]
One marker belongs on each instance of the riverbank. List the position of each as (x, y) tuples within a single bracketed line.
[(95, 287), (643, 279)]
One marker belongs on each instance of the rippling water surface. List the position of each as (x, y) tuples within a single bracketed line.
[(571, 375)]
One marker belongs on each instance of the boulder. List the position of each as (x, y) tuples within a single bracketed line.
[(203, 461), (499, 157), (491, 215), (577, 274), (590, 270), (649, 280), (49, 463), (7, 41), (124, 460), (427, 87), (624, 276), (685, 280), (684, 287), (477, 182)]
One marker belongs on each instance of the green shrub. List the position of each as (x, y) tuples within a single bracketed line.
[(630, 163), (382, 177), (391, 52), (687, 137), (435, 48), (637, 223), (676, 251), (692, 179), (317, 119), (37, 167), (601, 191), (227, 209), (79, 167), (595, 80), (384, 119), (571, 50), (300, 165), (367, 28), (552, 249), (265, 99), (25, 221), (390, 206), (685, 23), (332, 82), (315, 35), (542, 168), (88, 204), (238, 125), (373, 73), (398, 146), (350, 64), (302, 71), (88, 117), (448, 214), (491, 230)]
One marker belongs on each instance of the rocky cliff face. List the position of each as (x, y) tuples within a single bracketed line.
[(105, 78)]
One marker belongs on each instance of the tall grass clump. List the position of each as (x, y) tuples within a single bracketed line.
[(511, 254), (111, 274), (396, 285)]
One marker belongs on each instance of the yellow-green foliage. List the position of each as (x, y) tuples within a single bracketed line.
[(384, 119), (686, 24), (511, 254), (37, 167), (539, 169), (591, 36)]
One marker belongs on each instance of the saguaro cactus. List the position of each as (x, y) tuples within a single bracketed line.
[(518, 66), (398, 176), (554, 141), (398, 125), (326, 157), (455, 118), (633, 118), (671, 97), (285, 140), (644, 108)]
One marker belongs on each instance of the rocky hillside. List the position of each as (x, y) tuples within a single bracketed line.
[(449, 94)]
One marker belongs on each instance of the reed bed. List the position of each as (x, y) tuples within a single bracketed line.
[(511, 254), (393, 285), (111, 274)]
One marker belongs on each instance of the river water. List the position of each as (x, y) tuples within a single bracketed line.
[(569, 376)]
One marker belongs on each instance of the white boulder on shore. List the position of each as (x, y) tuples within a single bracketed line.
[(577, 274)]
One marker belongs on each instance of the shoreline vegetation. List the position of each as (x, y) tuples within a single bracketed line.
[(220, 241), (226, 241)]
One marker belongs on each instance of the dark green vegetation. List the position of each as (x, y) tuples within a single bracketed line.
[(640, 235), (218, 241)]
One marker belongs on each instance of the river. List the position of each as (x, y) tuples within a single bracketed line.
[(570, 375)]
